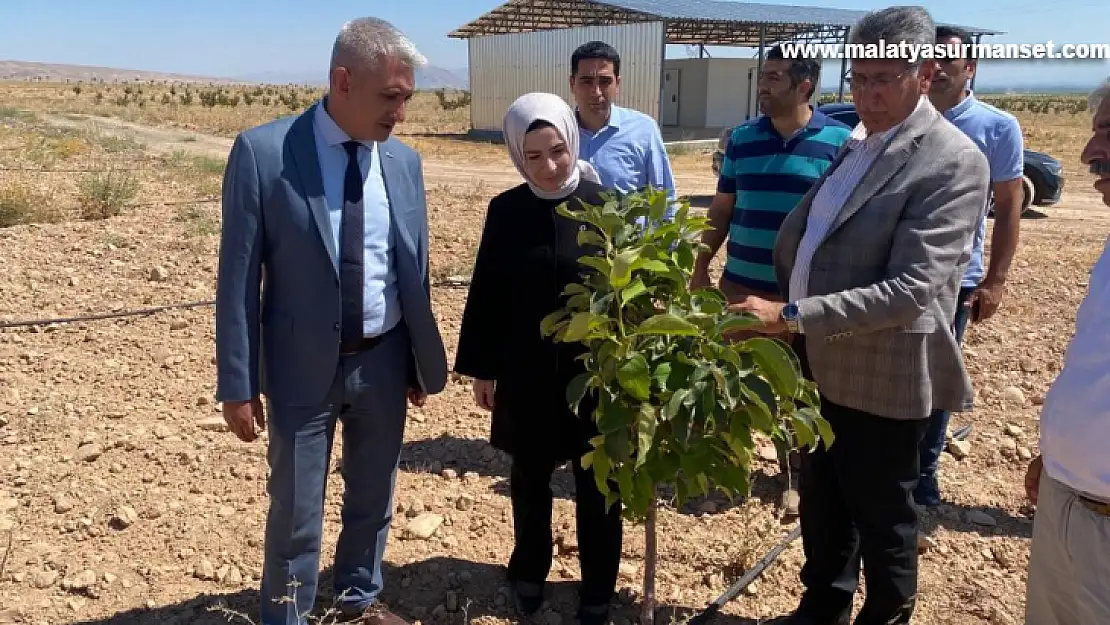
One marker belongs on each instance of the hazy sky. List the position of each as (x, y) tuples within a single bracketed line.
[(241, 37)]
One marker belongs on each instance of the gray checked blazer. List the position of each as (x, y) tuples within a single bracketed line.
[(883, 282)]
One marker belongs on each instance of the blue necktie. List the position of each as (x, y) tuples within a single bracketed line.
[(351, 246)]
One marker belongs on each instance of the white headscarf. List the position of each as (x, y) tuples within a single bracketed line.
[(554, 110)]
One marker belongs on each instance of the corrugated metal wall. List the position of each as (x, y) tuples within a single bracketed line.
[(504, 67)]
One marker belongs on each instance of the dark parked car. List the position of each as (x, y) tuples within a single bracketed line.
[(1043, 178)]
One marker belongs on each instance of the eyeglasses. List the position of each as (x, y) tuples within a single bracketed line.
[(878, 81)]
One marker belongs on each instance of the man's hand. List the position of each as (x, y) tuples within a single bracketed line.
[(1033, 479), (987, 297), (242, 416), (417, 397), (770, 313), (483, 393)]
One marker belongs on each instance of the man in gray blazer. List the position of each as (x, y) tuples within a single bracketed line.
[(327, 211), (871, 260)]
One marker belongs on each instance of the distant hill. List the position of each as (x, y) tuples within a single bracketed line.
[(54, 72), (430, 77)]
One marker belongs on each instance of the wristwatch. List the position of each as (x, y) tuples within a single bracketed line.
[(789, 316)]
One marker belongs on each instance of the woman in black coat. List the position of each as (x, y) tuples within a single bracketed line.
[(527, 256)]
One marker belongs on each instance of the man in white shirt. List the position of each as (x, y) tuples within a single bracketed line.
[(1069, 562)]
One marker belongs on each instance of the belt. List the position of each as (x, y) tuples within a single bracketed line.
[(1098, 507), (366, 343)]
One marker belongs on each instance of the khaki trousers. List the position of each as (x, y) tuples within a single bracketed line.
[(1069, 560)]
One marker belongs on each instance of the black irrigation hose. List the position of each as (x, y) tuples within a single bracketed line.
[(710, 611), (94, 317), (451, 283)]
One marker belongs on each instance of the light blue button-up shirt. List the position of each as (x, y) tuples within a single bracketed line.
[(998, 136), (382, 302), (628, 153)]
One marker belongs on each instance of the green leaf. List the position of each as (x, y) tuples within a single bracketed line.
[(773, 357), (635, 377), (652, 266), (667, 324), (590, 237), (600, 263), (579, 327), (632, 291), (738, 322), (818, 422), (612, 417), (577, 388), (550, 323), (646, 423), (674, 405), (621, 272), (662, 374)]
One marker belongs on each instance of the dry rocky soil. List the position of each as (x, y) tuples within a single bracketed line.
[(124, 500)]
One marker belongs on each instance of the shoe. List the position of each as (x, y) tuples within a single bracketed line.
[(593, 614), (927, 493), (529, 597), (375, 614)]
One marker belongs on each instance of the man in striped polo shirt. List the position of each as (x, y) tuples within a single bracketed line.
[(769, 165)]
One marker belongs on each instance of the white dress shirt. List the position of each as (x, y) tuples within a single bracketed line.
[(1075, 418), (863, 148)]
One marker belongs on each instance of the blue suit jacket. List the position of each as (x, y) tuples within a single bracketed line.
[(277, 293)]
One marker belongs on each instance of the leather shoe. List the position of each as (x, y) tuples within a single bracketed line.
[(375, 614)]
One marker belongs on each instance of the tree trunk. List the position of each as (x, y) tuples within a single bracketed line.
[(647, 610)]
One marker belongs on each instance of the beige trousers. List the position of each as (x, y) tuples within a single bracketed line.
[(1069, 560)]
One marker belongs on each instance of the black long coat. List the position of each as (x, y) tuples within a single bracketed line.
[(527, 256)]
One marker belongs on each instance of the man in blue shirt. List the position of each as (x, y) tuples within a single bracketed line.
[(998, 135), (770, 163), (624, 145)]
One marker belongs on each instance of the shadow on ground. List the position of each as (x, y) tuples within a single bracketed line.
[(466, 455), (440, 591), (983, 520)]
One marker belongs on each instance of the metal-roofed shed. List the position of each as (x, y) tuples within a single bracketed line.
[(525, 45)]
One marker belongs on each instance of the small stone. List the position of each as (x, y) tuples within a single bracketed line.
[(978, 517), (213, 424), (125, 517), (959, 449), (925, 543), (89, 452), (44, 579), (1024, 453), (82, 581), (768, 453), (1013, 395), (205, 570), (1013, 430), (424, 526), (628, 570), (450, 474), (179, 324), (159, 274), (464, 503), (470, 477)]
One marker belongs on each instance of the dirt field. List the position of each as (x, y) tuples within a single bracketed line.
[(124, 500)]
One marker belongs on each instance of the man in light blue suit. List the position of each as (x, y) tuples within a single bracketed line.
[(327, 211)]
